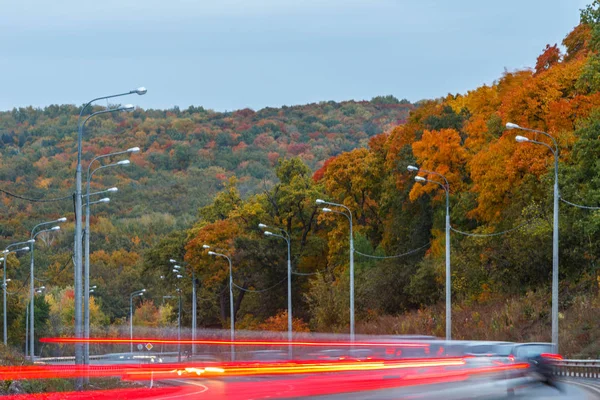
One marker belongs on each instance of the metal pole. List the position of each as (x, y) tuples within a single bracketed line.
[(555, 151), (86, 290), (194, 311), (448, 276), (231, 309), (179, 328), (78, 256), (289, 290), (78, 268), (351, 280), (27, 331), (4, 301), (131, 323), (31, 330), (555, 258)]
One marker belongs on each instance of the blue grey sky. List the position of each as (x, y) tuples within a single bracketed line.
[(231, 54)]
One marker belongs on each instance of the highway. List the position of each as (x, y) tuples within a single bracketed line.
[(267, 388), (376, 369)]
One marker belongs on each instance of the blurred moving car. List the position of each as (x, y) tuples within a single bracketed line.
[(541, 358)]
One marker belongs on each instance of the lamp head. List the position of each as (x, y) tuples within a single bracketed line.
[(94, 287), (510, 125), (412, 168), (267, 233), (320, 201), (133, 150), (175, 270), (211, 253), (143, 290), (1, 258), (177, 266), (42, 287), (262, 226), (326, 209), (112, 189), (63, 219), (521, 139), (141, 90), (26, 248), (91, 290), (205, 246), (420, 179), (140, 294), (162, 277), (8, 280), (179, 276), (127, 107), (124, 162), (104, 200), (55, 228), (30, 241), (172, 261)]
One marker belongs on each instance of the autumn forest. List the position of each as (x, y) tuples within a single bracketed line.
[(206, 177)]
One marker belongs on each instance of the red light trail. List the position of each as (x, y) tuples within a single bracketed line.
[(229, 342)]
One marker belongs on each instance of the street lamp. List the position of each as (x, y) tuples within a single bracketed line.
[(555, 152), (78, 272), (6, 252), (446, 187), (109, 190), (232, 321), (194, 299), (86, 273), (37, 290), (285, 236), (349, 216), (31, 329), (131, 296)]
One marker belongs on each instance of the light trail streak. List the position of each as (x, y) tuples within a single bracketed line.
[(63, 340)]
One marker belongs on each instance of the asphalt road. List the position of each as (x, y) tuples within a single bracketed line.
[(273, 388)]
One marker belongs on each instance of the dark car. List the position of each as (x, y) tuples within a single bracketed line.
[(541, 358)]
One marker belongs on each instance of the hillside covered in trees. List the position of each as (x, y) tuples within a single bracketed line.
[(186, 157), (270, 167)]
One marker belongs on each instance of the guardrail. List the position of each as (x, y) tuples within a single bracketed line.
[(577, 368)]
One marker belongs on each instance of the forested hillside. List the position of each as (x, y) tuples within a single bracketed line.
[(186, 157), (501, 215), (271, 166)]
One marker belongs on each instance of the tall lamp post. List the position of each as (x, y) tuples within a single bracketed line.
[(178, 290), (349, 216), (86, 273), (446, 187), (194, 305), (285, 236), (232, 321), (31, 283), (6, 252), (555, 151), (78, 214), (37, 290), (131, 296)]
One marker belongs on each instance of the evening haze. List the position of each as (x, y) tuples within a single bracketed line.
[(232, 54)]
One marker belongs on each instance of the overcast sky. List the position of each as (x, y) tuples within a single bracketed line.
[(231, 54)]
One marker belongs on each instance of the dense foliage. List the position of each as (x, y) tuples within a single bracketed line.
[(186, 158), (272, 165), (500, 196)]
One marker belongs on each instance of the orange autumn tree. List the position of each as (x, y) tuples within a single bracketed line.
[(442, 152), (279, 323)]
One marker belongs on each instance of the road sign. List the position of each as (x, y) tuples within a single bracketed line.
[(140, 347), (149, 346)]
